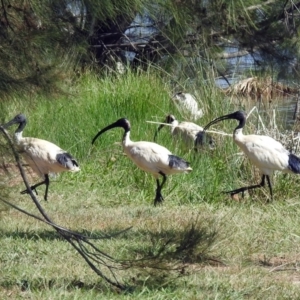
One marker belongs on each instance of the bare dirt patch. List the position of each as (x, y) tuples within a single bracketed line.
[(10, 174)]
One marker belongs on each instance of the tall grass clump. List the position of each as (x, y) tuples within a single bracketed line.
[(93, 102), (230, 249)]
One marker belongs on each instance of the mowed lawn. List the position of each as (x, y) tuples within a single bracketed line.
[(199, 244)]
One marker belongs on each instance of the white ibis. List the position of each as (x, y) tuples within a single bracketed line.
[(42, 156), (267, 154), (191, 134), (150, 157), (189, 104)]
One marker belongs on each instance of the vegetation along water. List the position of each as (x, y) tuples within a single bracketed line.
[(72, 68)]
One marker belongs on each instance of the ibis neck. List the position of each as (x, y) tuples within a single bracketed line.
[(126, 138), (19, 132), (18, 136), (21, 127), (174, 124), (237, 134), (238, 131)]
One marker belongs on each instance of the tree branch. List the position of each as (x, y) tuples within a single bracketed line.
[(77, 240)]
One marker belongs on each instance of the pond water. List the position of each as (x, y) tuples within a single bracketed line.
[(283, 110), (287, 110)]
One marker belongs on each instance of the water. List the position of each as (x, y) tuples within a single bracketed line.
[(287, 109), (280, 112)]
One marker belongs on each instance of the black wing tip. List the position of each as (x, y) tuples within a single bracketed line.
[(64, 158), (294, 163), (176, 161)]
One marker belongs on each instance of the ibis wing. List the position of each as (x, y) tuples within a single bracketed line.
[(176, 162), (147, 155), (190, 126), (154, 158), (66, 160), (45, 157), (266, 153)]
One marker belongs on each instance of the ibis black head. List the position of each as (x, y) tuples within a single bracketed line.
[(179, 95), (123, 122), (18, 119), (238, 115), (204, 139), (169, 120)]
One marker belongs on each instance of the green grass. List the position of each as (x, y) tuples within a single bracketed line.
[(242, 250)]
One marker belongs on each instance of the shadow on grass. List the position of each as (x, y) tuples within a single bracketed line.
[(187, 245), (136, 285), (159, 257), (39, 284), (191, 244), (166, 255), (50, 235)]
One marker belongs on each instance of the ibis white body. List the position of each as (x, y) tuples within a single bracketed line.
[(188, 104), (150, 157), (42, 156), (267, 154), (186, 132), (189, 134)]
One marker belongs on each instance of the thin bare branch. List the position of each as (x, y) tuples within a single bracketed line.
[(77, 240)]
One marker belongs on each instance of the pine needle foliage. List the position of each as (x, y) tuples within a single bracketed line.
[(44, 44)]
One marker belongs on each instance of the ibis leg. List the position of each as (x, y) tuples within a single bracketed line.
[(270, 186), (33, 188), (47, 182), (159, 198), (243, 189)]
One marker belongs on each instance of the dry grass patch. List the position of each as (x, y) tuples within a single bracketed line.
[(260, 88), (226, 250)]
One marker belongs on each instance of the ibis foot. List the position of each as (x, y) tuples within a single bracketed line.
[(237, 191), (158, 199), (32, 188)]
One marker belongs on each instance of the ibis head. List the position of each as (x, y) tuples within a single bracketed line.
[(169, 120), (202, 138), (18, 119), (238, 115), (123, 122)]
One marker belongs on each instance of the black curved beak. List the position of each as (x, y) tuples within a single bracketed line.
[(113, 125), (219, 119), (123, 122), (157, 131), (8, 124)]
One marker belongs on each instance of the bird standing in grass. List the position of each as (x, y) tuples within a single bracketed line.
[(150, 157), (188, 104), (267, 154), (189, 133), (42, 156)]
